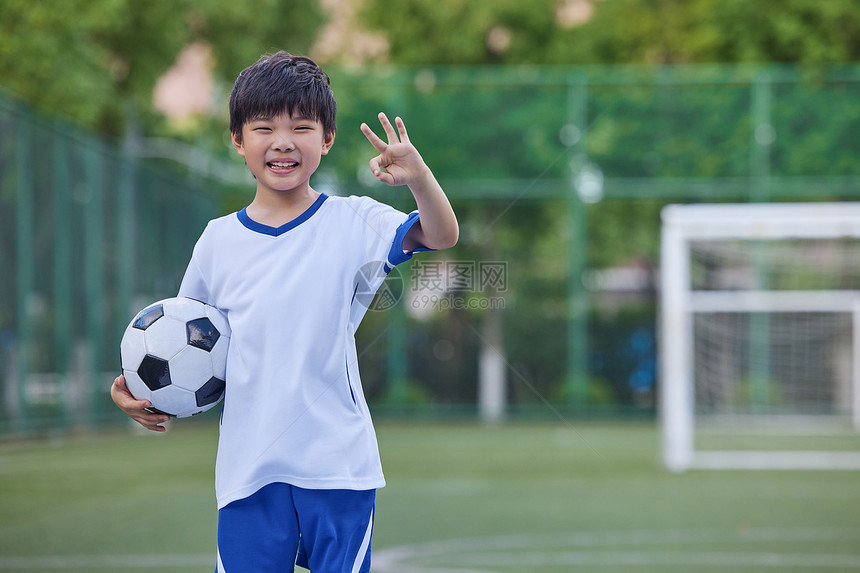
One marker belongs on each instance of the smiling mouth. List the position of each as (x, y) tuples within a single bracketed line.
[(282, 164)]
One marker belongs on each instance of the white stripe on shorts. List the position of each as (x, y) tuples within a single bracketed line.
[(365, 543)]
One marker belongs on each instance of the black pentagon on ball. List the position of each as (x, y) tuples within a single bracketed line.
[(154, 372), (202, 333), (147, 316), (209, 392)]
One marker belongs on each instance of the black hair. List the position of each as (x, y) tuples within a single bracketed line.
[(282, 83)]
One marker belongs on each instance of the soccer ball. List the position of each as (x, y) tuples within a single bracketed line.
[(174, 354)]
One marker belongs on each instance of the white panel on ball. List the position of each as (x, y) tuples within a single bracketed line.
[(165, 337), (219, 358), (132, 347), (191, 368), (183, 309), (136, 386), (176, 401)]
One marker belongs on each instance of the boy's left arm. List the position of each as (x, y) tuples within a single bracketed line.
[(399, 163)]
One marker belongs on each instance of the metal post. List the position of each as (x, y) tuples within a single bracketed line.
[(126, 229), (62, 272), (94, 270), (397, 360), (577, 295), (763, 136), (25, 264)]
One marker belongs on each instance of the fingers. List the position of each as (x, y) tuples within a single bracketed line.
[(123, 398), (375, 165), (398, 136), (119, 382), (401, 129), (152, 424), (136, 409), (374, 140), (379, 173), (389, 129), (397, 159), (394, 136), (150, 420)]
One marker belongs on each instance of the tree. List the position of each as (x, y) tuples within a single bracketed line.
[(617, 31), (96, 63), (646, 134)]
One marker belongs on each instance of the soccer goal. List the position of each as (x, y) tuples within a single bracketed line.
[(760, 336)]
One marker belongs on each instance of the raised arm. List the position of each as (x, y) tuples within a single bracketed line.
[(399, 163)]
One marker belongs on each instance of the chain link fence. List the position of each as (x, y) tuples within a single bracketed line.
[(545, 308)]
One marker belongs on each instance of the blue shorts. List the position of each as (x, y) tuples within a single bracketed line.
[(324, 530)]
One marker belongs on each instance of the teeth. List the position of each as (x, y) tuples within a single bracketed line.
[(282, 165)]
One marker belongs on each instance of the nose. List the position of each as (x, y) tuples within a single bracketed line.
[(282, 142)]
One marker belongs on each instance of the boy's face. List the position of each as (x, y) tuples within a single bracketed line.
[(283, 151)]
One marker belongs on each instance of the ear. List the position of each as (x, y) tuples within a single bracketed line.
[(237, 143), (327, 143)]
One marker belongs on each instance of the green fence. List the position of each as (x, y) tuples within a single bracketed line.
[(557, 174), (88, 234), (561, 173)]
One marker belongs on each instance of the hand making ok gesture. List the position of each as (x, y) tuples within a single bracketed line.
[(398, 162)]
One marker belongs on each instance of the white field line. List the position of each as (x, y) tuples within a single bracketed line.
[(475, 555), (111, 562), (647, 558), (532, 550)]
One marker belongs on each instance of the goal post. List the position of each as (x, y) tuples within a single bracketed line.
[(760, 336)]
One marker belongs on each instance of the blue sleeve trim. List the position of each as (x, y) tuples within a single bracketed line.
[(397, 255)]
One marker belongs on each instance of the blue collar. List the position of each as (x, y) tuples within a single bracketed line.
[(278, 231)]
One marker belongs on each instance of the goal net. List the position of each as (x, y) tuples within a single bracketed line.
[(760, 336)]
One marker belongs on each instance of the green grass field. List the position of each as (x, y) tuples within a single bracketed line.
[(460, 499)]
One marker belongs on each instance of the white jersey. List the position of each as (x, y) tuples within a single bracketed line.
[(294, 409)]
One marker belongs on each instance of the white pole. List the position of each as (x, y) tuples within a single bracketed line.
[(855, 366), (676, 402), (491, 385)]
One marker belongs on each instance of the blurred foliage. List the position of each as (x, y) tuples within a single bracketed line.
[(617, 31), (662, 122), (95, 62), (656, 134), (488, 92)]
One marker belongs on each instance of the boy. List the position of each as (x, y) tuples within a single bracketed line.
[(298, 463)]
